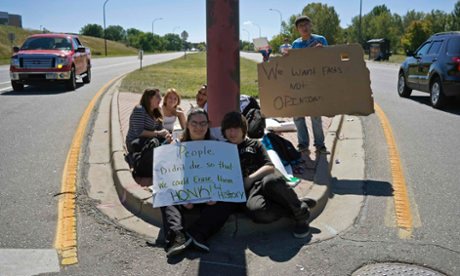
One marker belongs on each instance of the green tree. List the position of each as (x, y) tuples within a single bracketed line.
[(145, 41), (94, 30), (173, 42), (417, 32), (439, 21), (411, 16), (132, 37), (115, 33), (325, 20), (455, 18)]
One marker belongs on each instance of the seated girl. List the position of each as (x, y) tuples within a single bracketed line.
[(212, 216), (172, 111)]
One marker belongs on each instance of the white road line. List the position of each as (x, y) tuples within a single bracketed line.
[(28, 261), (6, 88)]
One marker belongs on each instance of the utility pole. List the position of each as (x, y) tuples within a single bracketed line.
[(105, 36), (360, 17)]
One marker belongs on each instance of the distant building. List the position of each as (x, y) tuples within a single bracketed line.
[(10, 19)]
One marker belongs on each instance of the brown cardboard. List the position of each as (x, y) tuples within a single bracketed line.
[(316, 82)]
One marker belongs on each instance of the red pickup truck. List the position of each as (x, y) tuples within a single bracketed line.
[(45, 58)]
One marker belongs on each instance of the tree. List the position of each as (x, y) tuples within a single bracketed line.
[(115, 33), (132, 37), (411, 16), (92, 30), (325, 20), (417, 32), (455, 18), (439, 21), (173, 42)]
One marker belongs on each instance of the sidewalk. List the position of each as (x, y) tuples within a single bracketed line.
[(136, 196)]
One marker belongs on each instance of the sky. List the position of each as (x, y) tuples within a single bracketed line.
[(189, 15)]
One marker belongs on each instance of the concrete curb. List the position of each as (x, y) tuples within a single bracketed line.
[(322, 179), (134, 197), (139, 201)]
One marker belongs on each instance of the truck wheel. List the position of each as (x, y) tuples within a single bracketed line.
[(403, 90), (17, 86), (87, 78), (71, 84), (437, 97)]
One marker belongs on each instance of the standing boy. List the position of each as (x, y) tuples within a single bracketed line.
[(307, 40)]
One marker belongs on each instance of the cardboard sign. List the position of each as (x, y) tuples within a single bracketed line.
[(260, 43), (195, 172), (316, 82)]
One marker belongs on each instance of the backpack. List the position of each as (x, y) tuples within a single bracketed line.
[(283, 147), (256, 122)]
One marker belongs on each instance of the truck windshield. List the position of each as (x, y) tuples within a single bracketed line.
[(46, 43)]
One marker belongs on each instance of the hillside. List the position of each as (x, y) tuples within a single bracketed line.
[(95, 44)]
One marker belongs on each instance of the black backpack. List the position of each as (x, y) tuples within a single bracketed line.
[(283, 147), (256, 122)]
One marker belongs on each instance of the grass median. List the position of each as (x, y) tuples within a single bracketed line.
[(186, 75)]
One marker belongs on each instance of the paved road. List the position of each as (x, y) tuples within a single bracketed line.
[(35, 139), (37, 126)]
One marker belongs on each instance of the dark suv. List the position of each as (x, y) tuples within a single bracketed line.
[(433, 68)]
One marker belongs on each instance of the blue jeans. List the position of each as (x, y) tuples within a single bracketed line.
[(302, 131)]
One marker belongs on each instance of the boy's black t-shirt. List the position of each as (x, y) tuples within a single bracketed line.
[(252, 156)]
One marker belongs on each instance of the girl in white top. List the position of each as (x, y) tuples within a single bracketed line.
[(172, 111)]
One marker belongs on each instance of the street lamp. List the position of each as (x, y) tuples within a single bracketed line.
[(252, 23), (105, 37), (260, 31), (153, 22), (174, 29), (281, 19), (249, 35)]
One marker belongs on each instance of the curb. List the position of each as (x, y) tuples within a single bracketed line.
[(132, 196), (139, 201)]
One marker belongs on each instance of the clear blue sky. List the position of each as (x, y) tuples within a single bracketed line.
[(189, 15)]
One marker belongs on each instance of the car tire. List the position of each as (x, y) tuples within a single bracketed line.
[(403, 90), (17, 86), (71, 84), (87, 78), (437, 97)]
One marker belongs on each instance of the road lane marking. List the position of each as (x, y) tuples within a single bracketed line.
[(6, 88), (65, 241), (28, 261), (401, 198)]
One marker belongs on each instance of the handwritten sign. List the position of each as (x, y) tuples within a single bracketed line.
[(260, 43), (316, 82), (195, 172)]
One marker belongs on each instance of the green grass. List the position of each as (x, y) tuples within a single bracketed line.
[(397, 58), (95, 44), (186, 76)]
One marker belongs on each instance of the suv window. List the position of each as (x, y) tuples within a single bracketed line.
[(435, 47), (424, 49), (453, 46), (75, 44)]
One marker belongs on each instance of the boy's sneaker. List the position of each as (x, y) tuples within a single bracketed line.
[(322, 149), (199, 243), (302, 148), (301, 230), (179, 244), (311, 203)]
